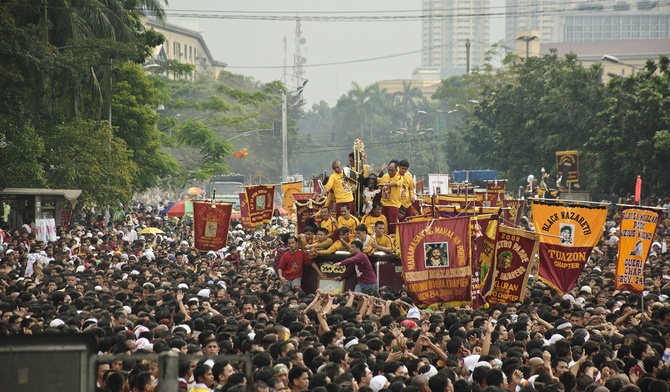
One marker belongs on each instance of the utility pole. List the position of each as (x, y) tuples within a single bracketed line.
[(284, 138), (467, 56)]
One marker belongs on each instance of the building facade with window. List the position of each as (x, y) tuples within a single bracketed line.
[(186, 46)]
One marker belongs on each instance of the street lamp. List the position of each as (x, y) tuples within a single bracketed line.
[(615, 60), (527, 39)]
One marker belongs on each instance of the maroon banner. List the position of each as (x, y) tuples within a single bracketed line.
[(483, 232), (495, 192), (435, 259), (244, 212), (210, 225), (419, 187), (510, 268), (513, 211), (260, 202), (307, 210)]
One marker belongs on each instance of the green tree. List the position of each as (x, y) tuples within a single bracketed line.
[(633, 135)]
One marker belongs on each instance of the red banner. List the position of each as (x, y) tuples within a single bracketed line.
[(568, 234), (210, 225), (568, 166), (306, 209), (483, 231), (509, 270), (244, 212), (260, 202), (419, 187), (318, 185), (638, 227), (435, 259), (495, 192), (513, 211)]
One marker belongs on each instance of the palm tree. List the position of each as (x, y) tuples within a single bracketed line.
[(360, 106), (405, 102)]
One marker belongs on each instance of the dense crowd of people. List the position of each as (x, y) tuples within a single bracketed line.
[(153, 293)]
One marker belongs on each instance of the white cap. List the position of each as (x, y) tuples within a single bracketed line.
[(182, 286), (56, 323), (413, 313), (377, 383)]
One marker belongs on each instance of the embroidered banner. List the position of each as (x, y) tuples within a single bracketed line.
[(260, 201), (307, 210), (244, 212), (435, 260), (568, 234), (638, 226), (211, 223), (288, 189), (512, 211), (483, 232), (568, 166), (514, 252)]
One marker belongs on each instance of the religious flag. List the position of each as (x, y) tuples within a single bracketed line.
[(638, 227), (568, 234), (568, 167), (512, 211), (495, 192), (435, 260), (514, 252), (288, 189), (244, 212), (483, 232), (260, 202), (438, 184), (306, 209), (211, 222), (419, 187)]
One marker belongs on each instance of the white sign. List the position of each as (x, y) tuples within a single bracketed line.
[(438, 184)]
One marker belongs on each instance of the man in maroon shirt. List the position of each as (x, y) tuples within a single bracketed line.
[(367, 279), (291, 266)]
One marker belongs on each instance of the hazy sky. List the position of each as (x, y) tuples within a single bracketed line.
[(259, 43)]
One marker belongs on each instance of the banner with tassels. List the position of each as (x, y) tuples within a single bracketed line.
[(436, 262), (211, 222), (568, 234)]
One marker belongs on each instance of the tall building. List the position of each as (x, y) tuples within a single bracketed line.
[(448, 25), (575, 21)]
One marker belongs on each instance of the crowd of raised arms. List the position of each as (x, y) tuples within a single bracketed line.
[(156, 293)]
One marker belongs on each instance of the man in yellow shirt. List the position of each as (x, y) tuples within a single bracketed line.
[(373, 217), (342, 244), (307, 237), (391, 184), (381, 241), (321, 242), (328, 222), (346, 219), (407, 191), (340, 186)]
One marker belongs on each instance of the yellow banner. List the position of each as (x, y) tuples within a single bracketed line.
[(568, 234), (638, 226), (288, 189)]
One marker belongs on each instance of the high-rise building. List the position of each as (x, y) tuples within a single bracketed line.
[(585, 21), (447, 28)]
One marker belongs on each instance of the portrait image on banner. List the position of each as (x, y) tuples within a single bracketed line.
[(638, 227), (435, 260), (260, 202), (483, 233), (568, 234), (211, 223), (511, 266)]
